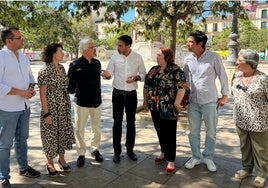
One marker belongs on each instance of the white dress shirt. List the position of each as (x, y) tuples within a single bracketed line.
[(201, 74), (121, 67), (14, 73)]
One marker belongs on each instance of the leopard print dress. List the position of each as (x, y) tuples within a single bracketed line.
[(59, 136), (251, 102)]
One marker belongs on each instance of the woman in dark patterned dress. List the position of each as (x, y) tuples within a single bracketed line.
[(56, 126), (250, 94), (164, 89)]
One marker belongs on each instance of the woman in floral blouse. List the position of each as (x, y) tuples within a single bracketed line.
[(164, 89), (250, 94)]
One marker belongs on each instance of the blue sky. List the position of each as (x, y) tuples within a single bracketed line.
[(129, 16)]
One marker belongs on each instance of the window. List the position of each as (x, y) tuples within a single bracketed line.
[(215, 27), (264, 14), (206, 28), (224, 25), (263, 25)]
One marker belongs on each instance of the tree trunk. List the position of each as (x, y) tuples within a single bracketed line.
[(76, 54), (173, 35)]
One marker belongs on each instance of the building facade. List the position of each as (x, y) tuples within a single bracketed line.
[(259, 18)]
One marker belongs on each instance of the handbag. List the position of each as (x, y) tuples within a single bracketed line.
[(185, 99)]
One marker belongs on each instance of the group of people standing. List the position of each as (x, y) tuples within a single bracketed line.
[(164, 87)]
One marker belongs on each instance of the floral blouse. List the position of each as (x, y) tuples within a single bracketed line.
[(251, 102), (162, 89)]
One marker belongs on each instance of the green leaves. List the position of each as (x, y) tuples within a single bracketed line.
[(250, 37), (43, 22)]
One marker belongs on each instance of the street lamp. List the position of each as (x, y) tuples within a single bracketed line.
[(233, 44)]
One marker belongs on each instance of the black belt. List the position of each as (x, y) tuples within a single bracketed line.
[(123, 92)]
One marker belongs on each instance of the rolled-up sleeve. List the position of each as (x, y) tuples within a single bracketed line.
[(221, 72)]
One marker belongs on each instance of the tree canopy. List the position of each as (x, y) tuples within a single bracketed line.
[(43, 22), (169, 19)]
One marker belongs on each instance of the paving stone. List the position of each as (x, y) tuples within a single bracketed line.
[(144, 172)]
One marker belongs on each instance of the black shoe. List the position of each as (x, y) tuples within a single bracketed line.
[(30, 173), (116, 159), (64, 168), (98, 156), (80, 161), (132, 156), (5, 183), (52, 173)]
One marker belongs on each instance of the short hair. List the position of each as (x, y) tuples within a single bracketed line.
[(83, 44), (126, 39), (7, 33), (199, 36), (251, 57), (47, 55), (168, 55)]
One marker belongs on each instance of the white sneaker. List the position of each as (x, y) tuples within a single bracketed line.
[(210, 165), (192, 162), (259, 182), (241, 174)]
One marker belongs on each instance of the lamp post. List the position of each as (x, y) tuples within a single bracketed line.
[(233, 44), (266, 49)]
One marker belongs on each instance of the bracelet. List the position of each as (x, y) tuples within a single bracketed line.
[(46, 115), (32, 85)]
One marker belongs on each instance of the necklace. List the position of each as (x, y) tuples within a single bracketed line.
[(247, 79)]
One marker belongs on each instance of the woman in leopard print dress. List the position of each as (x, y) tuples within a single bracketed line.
[(250, 94), (56, 127)]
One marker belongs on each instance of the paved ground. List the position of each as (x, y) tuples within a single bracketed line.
[(144, 172)]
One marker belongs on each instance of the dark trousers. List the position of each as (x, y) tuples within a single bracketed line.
[(124, 100), (166, 131)]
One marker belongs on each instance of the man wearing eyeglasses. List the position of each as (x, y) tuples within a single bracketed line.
[(16, 88)]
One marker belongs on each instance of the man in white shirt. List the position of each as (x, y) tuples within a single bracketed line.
[(201, 68), (16, 88), (127, 67)]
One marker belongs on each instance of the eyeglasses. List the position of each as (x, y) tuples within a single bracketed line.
[(18, 38), (241, 61), (243, 88)]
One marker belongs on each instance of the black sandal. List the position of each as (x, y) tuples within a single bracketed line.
[(52, 174), (64, 168)]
